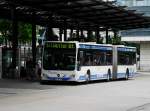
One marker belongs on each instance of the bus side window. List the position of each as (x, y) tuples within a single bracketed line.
[(109, 58), (87, 61), (81, 58), (95, 59), (128, 61), (101, 60)]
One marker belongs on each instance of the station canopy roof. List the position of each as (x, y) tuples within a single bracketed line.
[(83, 14)]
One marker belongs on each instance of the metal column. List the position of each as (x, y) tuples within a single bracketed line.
[(82, 35), (60, 34), (89, 33), (107, 37), (97, 35), (71, 33), (65, 30), (49, 31), (78, 35), (14, 36), (34, 42)]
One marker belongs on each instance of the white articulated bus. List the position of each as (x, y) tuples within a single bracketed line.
[(79, 62)]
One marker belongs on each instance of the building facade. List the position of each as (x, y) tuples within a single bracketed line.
[(141, 36)]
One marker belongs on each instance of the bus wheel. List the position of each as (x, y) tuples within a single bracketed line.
[(108, 75), (127, 74), (88, 76)]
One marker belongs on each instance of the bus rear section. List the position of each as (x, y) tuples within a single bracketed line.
[(124, 62)]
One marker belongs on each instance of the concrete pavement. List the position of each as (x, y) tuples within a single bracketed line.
[(131, 95)]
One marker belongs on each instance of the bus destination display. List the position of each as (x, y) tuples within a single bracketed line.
[(60, 45)]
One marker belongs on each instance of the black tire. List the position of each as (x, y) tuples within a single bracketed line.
[(127, 74), (108, 75)]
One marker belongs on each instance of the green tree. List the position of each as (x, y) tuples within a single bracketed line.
[(5, 27), (117, 40), (91, 38), (100, 40), (25, 32)]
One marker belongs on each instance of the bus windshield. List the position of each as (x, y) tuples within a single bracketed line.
[(59, 59)]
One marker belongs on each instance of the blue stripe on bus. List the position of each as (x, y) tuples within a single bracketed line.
[(94, 77), (104, 76), (122, 75), (59, 78), (82, 78), (126, 49), (84, 46)]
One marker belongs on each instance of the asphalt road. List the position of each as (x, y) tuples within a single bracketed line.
[(122, 95)]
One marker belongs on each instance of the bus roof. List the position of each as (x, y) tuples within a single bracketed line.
[(76, 42), (95, 44), (90, 43), (123, 46)]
